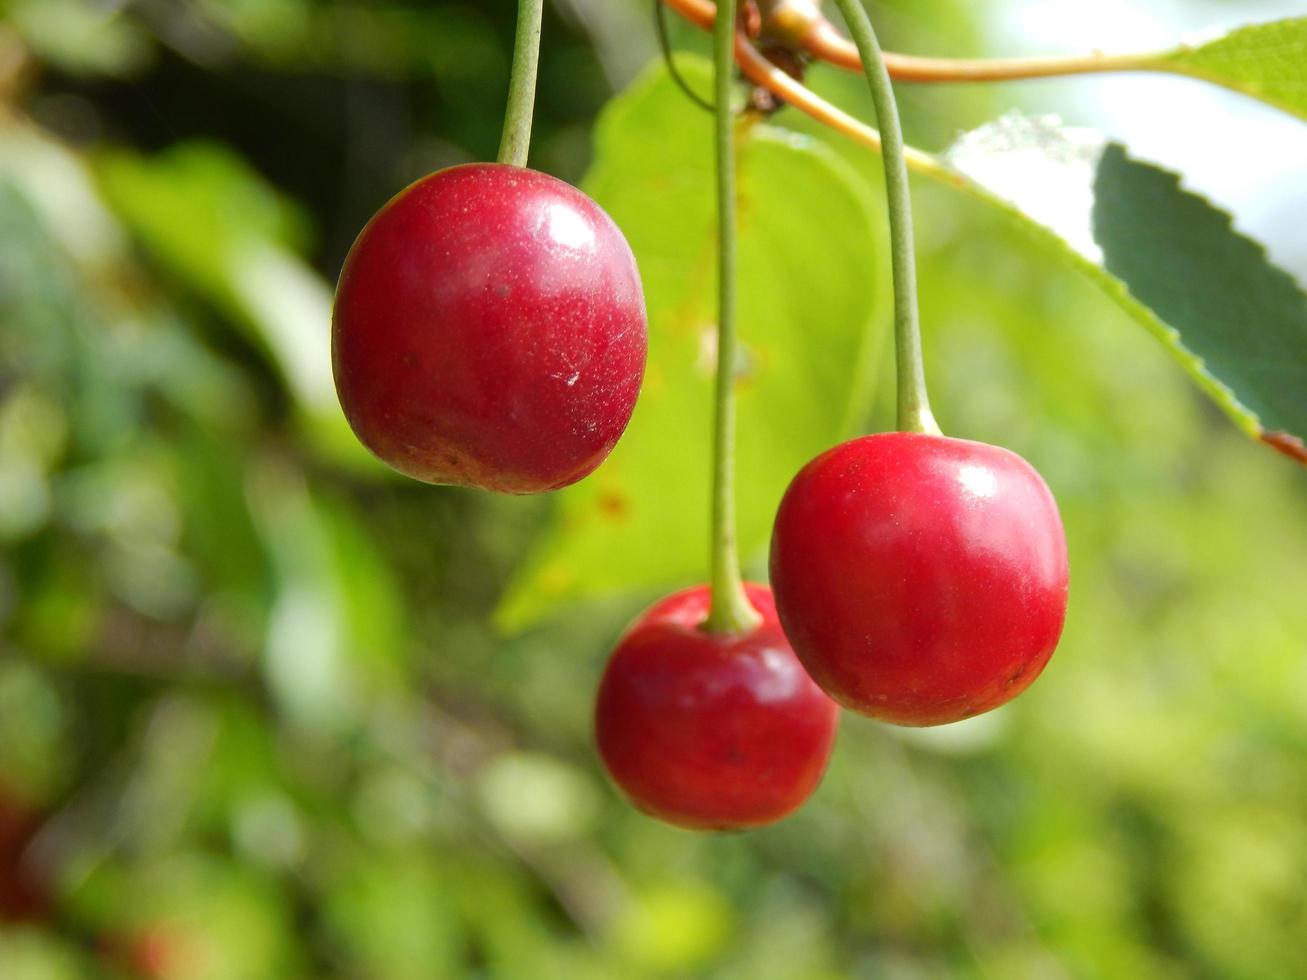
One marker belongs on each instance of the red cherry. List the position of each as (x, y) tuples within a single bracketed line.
[(712, 731), (489, 331), (921, 579)]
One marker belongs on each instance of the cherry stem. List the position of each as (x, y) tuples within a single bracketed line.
[(914, 413), (826, 44), (515, 144), (665, 49), (729, 610)]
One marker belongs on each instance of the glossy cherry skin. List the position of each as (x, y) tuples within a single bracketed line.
[(708, 731), (489, 331), (921, 579)]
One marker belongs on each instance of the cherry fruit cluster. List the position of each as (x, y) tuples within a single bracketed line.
[(489, 331)]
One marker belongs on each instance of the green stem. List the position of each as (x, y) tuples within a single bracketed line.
[(914, 406), (515, 144), (730, 611)]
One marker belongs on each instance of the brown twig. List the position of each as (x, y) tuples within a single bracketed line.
[(816, 35)]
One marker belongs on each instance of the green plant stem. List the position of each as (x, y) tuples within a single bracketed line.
[(730, 611), (515, 144), (914, 413)]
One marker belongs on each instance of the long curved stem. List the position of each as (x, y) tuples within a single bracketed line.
[(730, 611), (826, 43), (515, 144), (913, 404), (669, 60)]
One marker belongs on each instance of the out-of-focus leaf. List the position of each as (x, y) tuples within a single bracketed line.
[(1267, 61), (1239, 871), (32, 436), (219, 529), (82, 37), (60, 187), (455, 44), (196, 917), (535, 798), (1169, 258), (210, 220), (31, 954), (58, 289), (52, 329), (368, 596), (394, 919), (34, 733), (674, 927), (809, 289), (513, 940), (335, 627)]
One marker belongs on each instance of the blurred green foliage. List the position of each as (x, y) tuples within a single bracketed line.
[(255, 720)]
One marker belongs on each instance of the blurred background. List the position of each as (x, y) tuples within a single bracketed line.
[(257, 719)]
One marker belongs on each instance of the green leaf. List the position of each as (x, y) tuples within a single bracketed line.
[(1265, 61), (1243, 317), (810, 284), (1169, 258)]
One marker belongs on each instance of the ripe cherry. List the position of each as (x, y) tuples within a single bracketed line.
[(921, 579), (712, 731), (489, 331)]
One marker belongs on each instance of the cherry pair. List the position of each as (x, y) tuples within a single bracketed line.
[(920, 580)]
